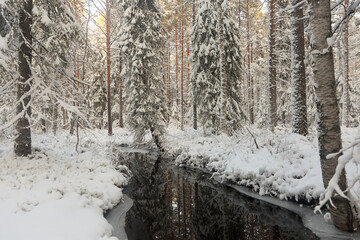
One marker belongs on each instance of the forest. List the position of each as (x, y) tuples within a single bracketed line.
[(260, 94)]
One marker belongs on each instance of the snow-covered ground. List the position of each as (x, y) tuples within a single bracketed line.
[(283, 164), (57, 193), (60, 194)]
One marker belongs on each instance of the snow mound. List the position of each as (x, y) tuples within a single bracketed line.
[(57, 193)]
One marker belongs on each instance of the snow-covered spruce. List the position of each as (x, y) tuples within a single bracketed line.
[(205, 73), (140, 42)]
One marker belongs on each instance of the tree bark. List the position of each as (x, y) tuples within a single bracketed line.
[(223, 94), (249, 59), (22, 146), (194, 106), (176, 61), (55, 116), (328, 125), (298, 78), (346, 97), (108, 67), (182, 67), (121, 118), (272, 68)]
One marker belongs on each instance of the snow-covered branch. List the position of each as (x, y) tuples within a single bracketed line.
[(333, 185)]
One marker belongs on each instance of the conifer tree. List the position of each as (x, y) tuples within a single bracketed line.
[(140, 42), (205, 76)]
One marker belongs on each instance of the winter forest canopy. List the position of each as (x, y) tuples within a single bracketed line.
[(221, 68)]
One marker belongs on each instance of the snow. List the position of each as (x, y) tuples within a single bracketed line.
[(286, 165), (57, 193)]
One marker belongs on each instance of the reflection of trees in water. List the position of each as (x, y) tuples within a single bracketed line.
[(148, 215), (172, 204)]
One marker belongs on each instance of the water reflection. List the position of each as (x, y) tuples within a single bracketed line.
[(171, 203)]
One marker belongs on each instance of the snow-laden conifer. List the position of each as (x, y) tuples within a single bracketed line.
[(140, 42), (205, 75)]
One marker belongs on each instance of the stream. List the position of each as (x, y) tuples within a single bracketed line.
[(163, 201)]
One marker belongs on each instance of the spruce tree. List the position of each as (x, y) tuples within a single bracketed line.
[(140, 42), (205, 72)]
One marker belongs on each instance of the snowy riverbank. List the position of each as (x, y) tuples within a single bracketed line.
[(282, 164), (60, 194), (57, 193)]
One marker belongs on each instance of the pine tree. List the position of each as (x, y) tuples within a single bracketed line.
[(140, 42)]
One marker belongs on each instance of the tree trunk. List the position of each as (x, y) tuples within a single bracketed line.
[(108, 66), (346, 97), (328, 125), (121, 118), (193, 97), (55, 116), (182, 67), (223, 94), (176, 61), (298, 78), (23, 138), (169, 78), (272, 68), (249, 59), (64, 117)]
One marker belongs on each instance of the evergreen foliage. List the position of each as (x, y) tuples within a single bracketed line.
[(140, 42), (205, 75)]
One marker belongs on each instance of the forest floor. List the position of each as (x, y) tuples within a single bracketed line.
[(60, 193), (57, 193)]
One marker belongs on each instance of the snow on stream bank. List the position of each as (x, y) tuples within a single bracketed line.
[(57, 193), (284, 165), (60, 194)]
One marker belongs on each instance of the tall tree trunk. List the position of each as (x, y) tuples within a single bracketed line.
[(223, 94), (55, 116), (272, 68), (346, 97), (182, 66), (169, 78), (23, 138), (298, 78), (121, 118), (176, 61), (249, 58), (188, 71), (64, 117), (108, 67), (194, 106), (239, 12), (328, 125)]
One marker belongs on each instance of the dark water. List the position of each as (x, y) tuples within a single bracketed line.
[(172, 203)]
